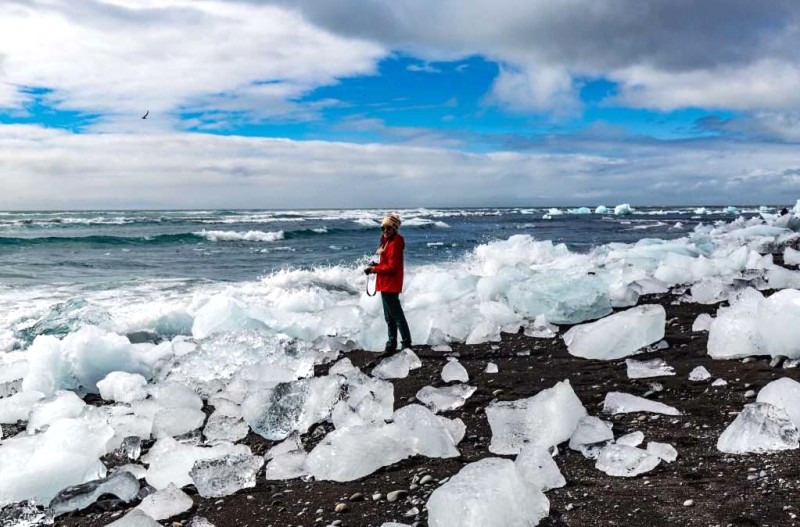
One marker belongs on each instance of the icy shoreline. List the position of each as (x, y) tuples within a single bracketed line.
[(255, 364)]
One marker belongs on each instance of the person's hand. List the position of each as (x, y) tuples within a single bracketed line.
[(368, 270)]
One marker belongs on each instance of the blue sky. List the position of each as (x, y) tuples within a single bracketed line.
[(581, 101)]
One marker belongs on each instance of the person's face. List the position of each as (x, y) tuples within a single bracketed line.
[(387, 231)]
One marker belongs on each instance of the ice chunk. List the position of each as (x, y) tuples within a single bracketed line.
[(624, 209), (491, 367), (223, 427), (25, 514), (625, 461), (791, 256), (166, 503), (454, 371), (663, 450), (632, 439), (274, 413), (122, 387), (540, 328), (590, 435), (648, 368), (536, 466), (366, 400), (175, 395), (445, 399), (430, 436), (13, 367), (456, 427), (171, 422), (18, 406), (222, 476), (719, 382), (624, 403), (488, 492), (122, 484), (546, 419), (617, 335), (783, 393), (79, 361), (397, 366), (760, 427), (350, 453), (138, 471), (38, 467), (700, 373), (170, 461), (287, 465), (702, 322), (62, 404), (135, 518), (223, 314)]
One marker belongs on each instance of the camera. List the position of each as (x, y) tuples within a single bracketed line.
[(369, 265)]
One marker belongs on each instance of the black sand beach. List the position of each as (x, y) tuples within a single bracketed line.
[(703, 487)]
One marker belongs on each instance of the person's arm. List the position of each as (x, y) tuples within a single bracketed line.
[(394, 259)]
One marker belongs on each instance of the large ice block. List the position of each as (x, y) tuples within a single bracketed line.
[(222, 476), (445, 399), (590, 435), (121, 484), (618, 335), (538, 468), (546, 419), (625, 461), (430, 436), (760, 427), (783, 393)]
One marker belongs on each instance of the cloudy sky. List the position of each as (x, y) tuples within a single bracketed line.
[(386, 103)]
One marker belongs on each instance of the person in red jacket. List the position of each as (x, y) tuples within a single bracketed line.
[(389, 281)]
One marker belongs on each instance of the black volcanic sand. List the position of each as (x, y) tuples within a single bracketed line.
[(735, 490)]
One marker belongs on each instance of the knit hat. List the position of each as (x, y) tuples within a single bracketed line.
[(392, 220)]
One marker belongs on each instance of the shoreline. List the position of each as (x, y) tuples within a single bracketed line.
[(724, 489)]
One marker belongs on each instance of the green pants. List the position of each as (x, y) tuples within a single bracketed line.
[(395, 320)]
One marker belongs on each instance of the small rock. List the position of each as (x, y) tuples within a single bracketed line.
[(357, 497), (397, 495), (776, 361), (688, 503), (426, 479), (413, 487), (569, 507), (377, 496), (341, 507), (749, 394), (413, 511)]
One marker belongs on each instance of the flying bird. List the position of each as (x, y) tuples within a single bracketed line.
[(146, 114)]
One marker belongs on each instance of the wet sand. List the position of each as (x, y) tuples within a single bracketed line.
[(737, 490)]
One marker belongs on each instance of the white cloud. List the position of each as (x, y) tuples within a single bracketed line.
[(123, 57), (41, 168)]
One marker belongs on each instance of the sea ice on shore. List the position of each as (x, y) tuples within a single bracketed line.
[(166, 503), (63, 404), (546, 419), (665, 451), (648, 368), (18, 406), (625, 461), (590, 435), (122, 387), (618, 335), (135, 518), (538, 468), (445, 399), (624, 403), (170, 462), (487, 492), (702, 322), (700, 373), (454, 371), (353, 452), (121, 484), (760, 427), (785, 394), (222, 476), (431, 438), (397, 366)]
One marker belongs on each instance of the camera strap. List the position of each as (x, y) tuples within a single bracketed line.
[(373, 293)]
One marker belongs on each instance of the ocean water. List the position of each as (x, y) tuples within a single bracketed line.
[(295, 271)]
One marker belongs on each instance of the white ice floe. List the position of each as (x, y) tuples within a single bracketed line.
[(353, 452), (546, 419), (538, 468), (760, 427), (625, 461), (491, 491), (445, 399), (453, 371), (222, 476), (166, 503), (624, 403), (171, 422), (431, 437), (648, 368), (63, 404), (754, 325), (791, 256), (699, 373), (618, 335), (18, 407), (665, 451), (122, 387), (170, 462), (702, 322), (785, 394), (632, 439), (590, 435)]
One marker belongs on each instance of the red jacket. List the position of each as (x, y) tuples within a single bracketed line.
[(389, 270)]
